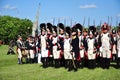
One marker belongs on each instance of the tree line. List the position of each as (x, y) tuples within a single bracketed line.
[(11, 27)]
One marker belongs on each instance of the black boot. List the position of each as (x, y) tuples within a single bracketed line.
[(103, 63), (27, 60), (19, 61), (66, 64), (70, 67), (76, 64), (107, 63), (82, 62), (118, 63)]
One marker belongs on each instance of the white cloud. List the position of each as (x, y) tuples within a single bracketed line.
[(88, 6), (9, 7)]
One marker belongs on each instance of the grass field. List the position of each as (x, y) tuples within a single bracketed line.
[(10, 70)]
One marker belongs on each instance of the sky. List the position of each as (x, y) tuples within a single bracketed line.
[(69, 12)]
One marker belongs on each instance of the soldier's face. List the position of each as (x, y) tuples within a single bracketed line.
[(91, 36), (20, 38), (119, 33), (79, 33), (67, 36), (85, 33), (61, 32), (105, 31), (43, 33), (48, 32), (54, 34), (73, 33)]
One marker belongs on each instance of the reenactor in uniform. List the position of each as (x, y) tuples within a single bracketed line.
[(11, 45), (27, 49), (105, 41), (81, 45), (114, 48), (39, 49), (19, 49), (32, 49), (61, 42), (44, 51), (91, 48), (75, 48), (85, 37), (118, 48), (56, 48), (49, 44), (67, 46)]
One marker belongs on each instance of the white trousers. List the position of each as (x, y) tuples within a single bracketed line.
[(82, 53), (39, 58), (67, 54), (56, 53), (19, 53), (91, 55), (32, 54)]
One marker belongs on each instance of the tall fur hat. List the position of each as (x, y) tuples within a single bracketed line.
[(54, 29), (61, 26), (92, 29), (74, 29), (43, 27), (79, 27), (49, 27), (68, 31)]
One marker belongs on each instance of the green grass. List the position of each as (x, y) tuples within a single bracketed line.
[(10, 70)]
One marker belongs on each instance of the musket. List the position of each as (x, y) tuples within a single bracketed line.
[(71, 52), (73, 60)]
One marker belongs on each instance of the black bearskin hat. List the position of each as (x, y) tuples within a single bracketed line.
[(43, 27), (74, 29), (68, 31), (54, 29), (61, 26), (49, 27), (92, 29), (79, 27), (113, 31)]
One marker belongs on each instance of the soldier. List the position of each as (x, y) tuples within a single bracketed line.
[(75, 48), (85, 36), (49, 44), (39, 49), (114, 49), (32, 49), (44, 51), (27, 49), (56, 48), (105, 41), (118, 48), (67, 46), (11, 45), (81, 46), (61, 42), (91, 49), (19, 49)]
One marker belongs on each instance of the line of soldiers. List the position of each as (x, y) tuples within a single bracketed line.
[(72, 48)]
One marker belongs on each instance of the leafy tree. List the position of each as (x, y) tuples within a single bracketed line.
[(11, 27)]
